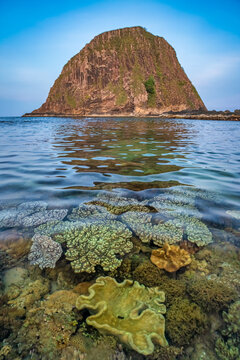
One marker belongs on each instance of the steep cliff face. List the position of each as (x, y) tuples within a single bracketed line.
[(122, 72)]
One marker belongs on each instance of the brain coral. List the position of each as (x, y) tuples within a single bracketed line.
[(96, 243), (127, 310)]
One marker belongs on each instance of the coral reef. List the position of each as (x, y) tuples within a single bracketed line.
[(44, 216), (170, 257), (13, 216), (31, 291), (228, 344), (211, 295), (141, 224), (197, 232), (96, 243), (47, 329), (182, 211), (127, 310), (90, 211), (44, 251), (147, 274), (117, 204), (33, 206), (184, 320), (29, 214), (56, 227), (165, 353)]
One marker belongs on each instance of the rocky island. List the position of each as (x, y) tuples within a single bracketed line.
[(124, 72)]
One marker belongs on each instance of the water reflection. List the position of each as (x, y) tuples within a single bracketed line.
[(124, 147)]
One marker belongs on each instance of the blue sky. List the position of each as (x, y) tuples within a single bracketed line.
[(38, 37)]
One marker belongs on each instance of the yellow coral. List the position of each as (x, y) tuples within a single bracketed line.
[(170, 257), (127, 310)]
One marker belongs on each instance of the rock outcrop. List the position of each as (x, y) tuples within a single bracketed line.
[(122, 72)]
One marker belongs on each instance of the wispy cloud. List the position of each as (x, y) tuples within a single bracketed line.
[(218, 68)]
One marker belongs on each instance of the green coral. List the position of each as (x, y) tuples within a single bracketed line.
[(90, 211), (184, 320), (96, 243), (228, 344), (184, 215), (56, 227), (127, 310), (211, 295), (141, 224), (118, 204)]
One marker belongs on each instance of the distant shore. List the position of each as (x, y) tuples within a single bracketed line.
[(209, 115)]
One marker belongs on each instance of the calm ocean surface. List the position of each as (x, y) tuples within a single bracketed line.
[(63, 160), (148, 182)]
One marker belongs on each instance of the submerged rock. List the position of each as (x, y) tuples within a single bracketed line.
[(127, 310)]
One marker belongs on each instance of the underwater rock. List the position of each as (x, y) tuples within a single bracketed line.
[(42, 217), (44, 252), (117, 204), (127, 310), (90, 211), (141, 224), (184, 320), (96, 243), (170, 257)]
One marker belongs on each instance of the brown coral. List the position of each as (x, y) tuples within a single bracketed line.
[(170, 257)]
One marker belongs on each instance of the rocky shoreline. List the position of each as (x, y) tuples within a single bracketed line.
[(180, 115)]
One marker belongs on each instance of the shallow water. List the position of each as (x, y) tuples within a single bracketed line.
[(194, 165)]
